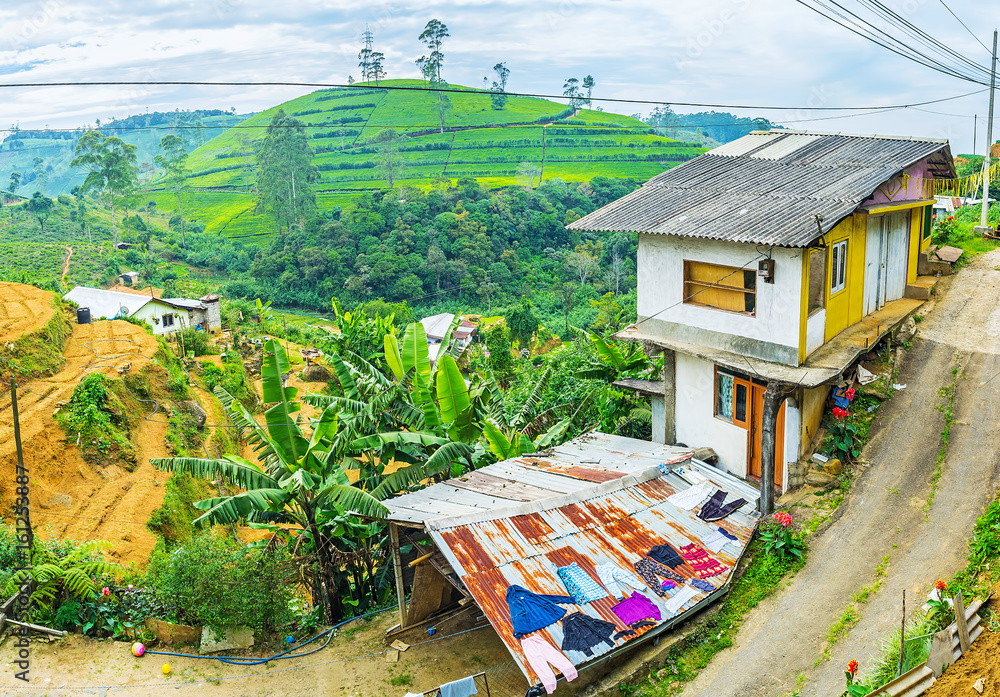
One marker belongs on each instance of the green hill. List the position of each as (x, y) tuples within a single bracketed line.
[(478, 141), (19, 150)]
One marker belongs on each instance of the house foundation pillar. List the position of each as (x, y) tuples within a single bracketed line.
[(664, 407)]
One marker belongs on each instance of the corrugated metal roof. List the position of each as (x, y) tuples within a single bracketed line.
[(107, 303), (596, 499), (766, 188)]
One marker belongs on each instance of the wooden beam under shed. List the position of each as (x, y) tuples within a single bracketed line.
[(397, 567)]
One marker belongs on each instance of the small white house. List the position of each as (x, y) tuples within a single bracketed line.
[(436, 329), (773, 261), (164, 315)]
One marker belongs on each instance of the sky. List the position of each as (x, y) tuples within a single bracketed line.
[(733, 52)]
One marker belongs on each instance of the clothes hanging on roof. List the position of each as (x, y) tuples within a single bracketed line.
[(714, 541), (684, 594), (617, 580), (466, 687), (702, 585), (580, 584), (668, 584), (540, 654), (666, 555), (637, 607), (530, 612), (699, 560), (582, 633), (648, 570), (692, 496), (714, 510)]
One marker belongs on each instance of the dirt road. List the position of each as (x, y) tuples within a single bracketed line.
[(778, 646)]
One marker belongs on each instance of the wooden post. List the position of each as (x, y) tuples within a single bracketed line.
[(902, 638), (397, 564), (963, 627), (773, 397)]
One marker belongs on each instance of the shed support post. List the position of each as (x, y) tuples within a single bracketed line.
[(774, 395), (664, 408), (397, 567)]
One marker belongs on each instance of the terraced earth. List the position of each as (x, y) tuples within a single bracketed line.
[(475, 141)]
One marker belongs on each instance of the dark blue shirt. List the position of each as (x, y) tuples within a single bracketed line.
[(530, 612)]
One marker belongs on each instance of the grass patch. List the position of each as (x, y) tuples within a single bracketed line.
[(401, 680), (852, 613), (762, 575), (39, 353), (100, 419), (947, 393)]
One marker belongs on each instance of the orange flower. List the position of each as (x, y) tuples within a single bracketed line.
[(852, 667), (940, 585)]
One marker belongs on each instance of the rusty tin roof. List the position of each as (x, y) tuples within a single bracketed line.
[(598, 498)]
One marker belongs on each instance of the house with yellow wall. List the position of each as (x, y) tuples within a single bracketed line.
[(776, 259)]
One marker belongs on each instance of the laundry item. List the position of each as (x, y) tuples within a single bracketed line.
[(702, 585), (649, 570), (582, 632), (666, 555), (637, 607), (692, 496), (540, 654), (466, 687), (617, 580), (699, 560), (683, 594), (714, 509), (530, 612), (580, 584)]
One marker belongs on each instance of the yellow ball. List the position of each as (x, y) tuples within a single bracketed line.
[(166, 669)]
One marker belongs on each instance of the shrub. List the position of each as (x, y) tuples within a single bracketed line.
[(216, 582), (779, 540), (97, 419), (197, 342)]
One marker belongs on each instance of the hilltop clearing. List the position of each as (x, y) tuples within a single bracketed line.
[(529, 141)]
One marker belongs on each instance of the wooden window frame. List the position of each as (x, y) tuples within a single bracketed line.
[(738, 382), (838, 270), (692, 289), (170, 316)]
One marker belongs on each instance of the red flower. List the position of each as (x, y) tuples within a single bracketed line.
[(852, 667), (840, 413), (940, 585), (782, 518), (105, 591), (849, 394), (934, 217), (950, 218)]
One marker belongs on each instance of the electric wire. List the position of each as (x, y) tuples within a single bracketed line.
[(453, 90), (971, 33)]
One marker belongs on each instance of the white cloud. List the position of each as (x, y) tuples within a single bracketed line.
[(716, 51)]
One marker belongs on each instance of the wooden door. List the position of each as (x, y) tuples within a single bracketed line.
[(756, 430), (897, 247), (875, 264)]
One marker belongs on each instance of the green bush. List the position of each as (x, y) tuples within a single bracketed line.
[(215, 582), (197, 342), (97, 419)]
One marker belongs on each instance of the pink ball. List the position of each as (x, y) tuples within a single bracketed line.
[(138, 649)]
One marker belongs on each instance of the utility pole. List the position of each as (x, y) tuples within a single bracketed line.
[(989, 135)]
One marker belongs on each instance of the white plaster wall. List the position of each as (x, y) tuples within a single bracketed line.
[(661, 285), (815, 330), (157, 310), (697, 425)]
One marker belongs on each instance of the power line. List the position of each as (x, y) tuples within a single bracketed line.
[(966, 27), (453, 90)]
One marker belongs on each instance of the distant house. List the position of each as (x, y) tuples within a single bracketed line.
[(436, 327), (767, 266), (129, 278), (164, 315)]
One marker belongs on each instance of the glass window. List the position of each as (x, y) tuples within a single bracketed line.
[(740, 406), (817, 280), (838, 272), (724, 396)]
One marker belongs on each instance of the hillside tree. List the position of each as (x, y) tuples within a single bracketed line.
[(588, 84), (111, 165), (583, 261), (15, 181), (571, 89), (499, 89), (40, 206), (389, 158), (529, 170), (433, 36), (523, 322), (173, 160), (41, 175), (285, 172)]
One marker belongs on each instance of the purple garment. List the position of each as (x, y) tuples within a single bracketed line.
[(636, 608)]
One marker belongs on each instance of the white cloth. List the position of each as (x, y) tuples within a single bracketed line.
[(617, 580), (692, 496), (466, 687), (683, 595), (715, 541)]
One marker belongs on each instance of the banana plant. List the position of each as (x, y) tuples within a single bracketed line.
[(297, 483), (612, 360)]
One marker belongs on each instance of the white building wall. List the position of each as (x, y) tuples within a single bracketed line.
[(661, 285), (697, 425), (154, 310)]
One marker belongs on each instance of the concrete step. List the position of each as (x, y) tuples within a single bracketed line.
[(921, 288)]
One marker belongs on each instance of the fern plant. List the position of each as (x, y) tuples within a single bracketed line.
[(56, 578)]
